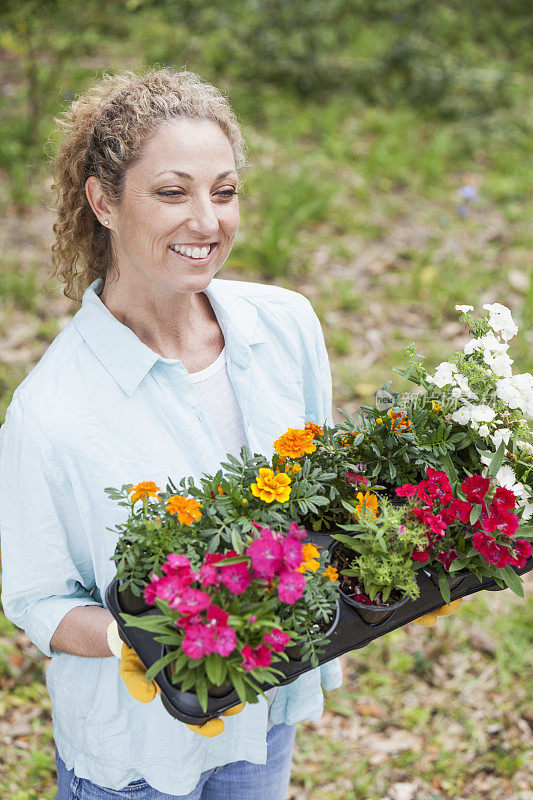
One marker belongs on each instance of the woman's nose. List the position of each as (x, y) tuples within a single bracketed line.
[(204, 216)]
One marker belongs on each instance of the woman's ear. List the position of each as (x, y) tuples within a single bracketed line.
[(97, 201)]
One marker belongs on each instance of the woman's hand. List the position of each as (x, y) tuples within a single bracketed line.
[(132, 671), (431, 619)]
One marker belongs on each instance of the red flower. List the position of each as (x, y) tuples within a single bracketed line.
[(435, 522), (199, 640), (217, 614), (175, 561), (492, 552), (257, 657), (505, 521), (296, 532), (291, 586), (475, 488), (438, 477), (191, 601), (352, 477), (236, 577), (277, 639), (406, 490), (503, 500), (292, 552), (362, 598), (209, 574), (266, 554), (447, 556), (226, 640), (522, 552), (458, 509), (420, 555)]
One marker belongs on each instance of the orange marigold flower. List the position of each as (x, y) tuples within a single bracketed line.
[(144, 489), (187, 508), (295, 443), (331, 573), (271, 487), (310, 555), (399, 420), (371, 508), (346, 440), (318, 430), (291, 468)]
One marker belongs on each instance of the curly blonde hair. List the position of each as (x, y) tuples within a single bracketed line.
[(107, 128)]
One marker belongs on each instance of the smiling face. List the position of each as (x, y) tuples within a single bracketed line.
[(182, 192)]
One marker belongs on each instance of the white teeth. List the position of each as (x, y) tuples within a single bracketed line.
[(195, 252)]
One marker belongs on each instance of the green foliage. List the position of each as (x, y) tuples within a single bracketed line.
[(384, 547)]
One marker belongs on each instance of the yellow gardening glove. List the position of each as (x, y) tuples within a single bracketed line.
[(132, 671), (431, 619)]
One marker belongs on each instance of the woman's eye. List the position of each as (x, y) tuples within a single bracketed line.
[(174, 193)]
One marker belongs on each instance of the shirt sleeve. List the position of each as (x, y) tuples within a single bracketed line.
[(38, 517), (324, 388)]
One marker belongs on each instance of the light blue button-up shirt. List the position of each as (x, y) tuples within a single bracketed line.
[(103, 409)]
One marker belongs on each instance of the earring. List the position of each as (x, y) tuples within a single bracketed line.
[(106, 222)]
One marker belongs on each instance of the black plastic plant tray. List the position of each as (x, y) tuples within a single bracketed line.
[(351, 633)]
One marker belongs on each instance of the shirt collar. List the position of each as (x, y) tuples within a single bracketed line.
[(129, 360)]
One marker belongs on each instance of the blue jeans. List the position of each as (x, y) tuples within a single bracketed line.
[(240, 780)]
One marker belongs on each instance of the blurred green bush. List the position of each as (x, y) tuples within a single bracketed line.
[(451, 59)]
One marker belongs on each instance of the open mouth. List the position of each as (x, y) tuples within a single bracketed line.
[(191, 259)]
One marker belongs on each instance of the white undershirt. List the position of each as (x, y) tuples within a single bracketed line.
[(219, 400)]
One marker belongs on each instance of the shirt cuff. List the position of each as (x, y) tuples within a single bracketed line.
[(43, 617)]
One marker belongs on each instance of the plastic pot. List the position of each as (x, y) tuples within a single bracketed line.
[(294, 650), (373, 615), (220, 690), (454, 578), (132, 604), (370, 614)]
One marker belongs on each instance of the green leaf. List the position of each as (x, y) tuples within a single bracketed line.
[(238, 683), (444, 587), (201, 693), (475, 513), (512, 580), (158, 665), (497, 459)]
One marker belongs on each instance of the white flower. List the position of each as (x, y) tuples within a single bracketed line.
[(456, 392), (462, 383), (486, 343), (499, 364), (499, 436), (443, 374), (521, 492), (525, 446), (506, 477), (474, 424), (464, 309), (483, 413), (501, 320), (462, 415), (517, 392), (527, 513), (483, 430)]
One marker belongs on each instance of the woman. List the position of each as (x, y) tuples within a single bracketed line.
[(162, 371)]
